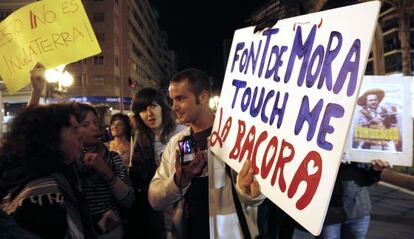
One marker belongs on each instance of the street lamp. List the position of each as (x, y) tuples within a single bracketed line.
[(58, 77)]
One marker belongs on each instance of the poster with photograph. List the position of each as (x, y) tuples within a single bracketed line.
[(382, 122)]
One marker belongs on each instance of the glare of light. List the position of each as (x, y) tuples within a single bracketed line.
[(60, 76), (213, 102), (66, 79), (52, 75)]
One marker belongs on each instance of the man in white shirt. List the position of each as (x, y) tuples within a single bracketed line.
[(200, 192)]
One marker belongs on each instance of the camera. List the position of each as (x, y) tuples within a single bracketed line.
[(186, 148)]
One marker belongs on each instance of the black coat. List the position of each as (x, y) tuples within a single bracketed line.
[(143, 220), (350, 196)]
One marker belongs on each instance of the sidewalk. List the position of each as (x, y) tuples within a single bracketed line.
[(392, 215)]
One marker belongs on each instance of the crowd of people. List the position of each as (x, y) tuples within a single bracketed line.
[(61, 176)]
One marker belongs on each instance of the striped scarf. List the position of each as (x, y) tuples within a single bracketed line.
[(58, 184)]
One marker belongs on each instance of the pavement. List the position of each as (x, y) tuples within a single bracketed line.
[(392, 215)]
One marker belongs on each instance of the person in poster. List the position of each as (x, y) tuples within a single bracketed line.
[(376, 125)]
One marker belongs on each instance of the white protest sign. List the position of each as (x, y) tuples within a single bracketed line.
[(287, 102), (382, 123)]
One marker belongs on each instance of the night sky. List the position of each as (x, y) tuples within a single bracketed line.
[(196, 30)]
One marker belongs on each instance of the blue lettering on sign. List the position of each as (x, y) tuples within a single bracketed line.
[(257, 103), (330, 56), (315, 62), (332, 110), (310, 116), (263, 60), (300, 50), (350, 67)]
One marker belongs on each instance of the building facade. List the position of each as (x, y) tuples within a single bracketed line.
[(134, 54), (393, 45)]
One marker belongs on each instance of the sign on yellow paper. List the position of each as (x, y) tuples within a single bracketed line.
[(52, 32)]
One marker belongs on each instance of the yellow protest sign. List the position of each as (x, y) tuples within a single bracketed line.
[(52, 32)]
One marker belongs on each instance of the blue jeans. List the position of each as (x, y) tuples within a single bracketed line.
[(350, 229)]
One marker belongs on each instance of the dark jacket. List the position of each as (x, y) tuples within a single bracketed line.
[(143, 220), (350, 197)]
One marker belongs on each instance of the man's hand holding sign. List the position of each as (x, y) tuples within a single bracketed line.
[(246, 181)]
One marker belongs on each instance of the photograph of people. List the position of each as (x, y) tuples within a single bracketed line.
[(376, 122)]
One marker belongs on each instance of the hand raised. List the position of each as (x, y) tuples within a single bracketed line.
[(37, 77), (96, 161)]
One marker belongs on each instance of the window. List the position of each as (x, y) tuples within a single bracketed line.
[(391, 42), (412, 39), (389, 24), (412, 62), (99, 81), (132, 65), (136, 50), (370, 68), (412, 21), (98, 17), (98, 60), (84, 79), (141, 8), (77, 80), (116, 60), (393, 62)]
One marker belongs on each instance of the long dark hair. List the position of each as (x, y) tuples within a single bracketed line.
[(140, 102), (32, 147), (143, 159)]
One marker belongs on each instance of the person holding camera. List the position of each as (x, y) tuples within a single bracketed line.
[(155, 125), (205, 201)]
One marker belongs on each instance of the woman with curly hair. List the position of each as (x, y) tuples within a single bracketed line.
[(38, 186), (155, 125)]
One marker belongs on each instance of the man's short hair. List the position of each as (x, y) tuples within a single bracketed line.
[(197, 79)]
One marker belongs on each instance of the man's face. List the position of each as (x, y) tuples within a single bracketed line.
[(184, 102), (372, 101)]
